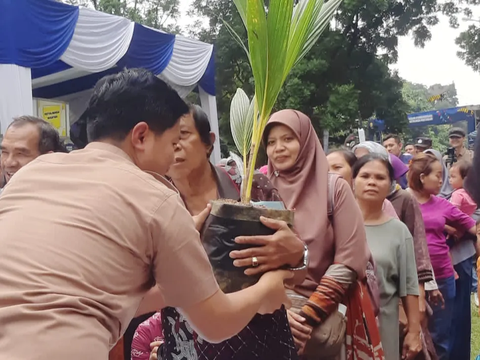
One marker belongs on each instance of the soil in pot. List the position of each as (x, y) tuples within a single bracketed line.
[(227, 220)]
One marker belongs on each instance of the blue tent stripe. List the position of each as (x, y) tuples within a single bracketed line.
[(148, 49), (72, 86), (43, 31), (207, 82), (57, 66)]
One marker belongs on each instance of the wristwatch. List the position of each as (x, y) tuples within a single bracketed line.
[(305, 260)]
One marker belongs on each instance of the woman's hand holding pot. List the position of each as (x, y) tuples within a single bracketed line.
[(154, 350), (273, 292), (199, 219), (271, 251)]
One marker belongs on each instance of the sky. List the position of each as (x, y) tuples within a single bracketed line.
[(436, 63)]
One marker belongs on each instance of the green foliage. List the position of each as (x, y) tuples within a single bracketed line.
[(468, 40), (336, 87), (416, 96), (342, 78), (469, 43), (439, 136), (276, 42), (340, 110)]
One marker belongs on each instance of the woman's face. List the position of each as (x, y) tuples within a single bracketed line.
[(432, 183), (283, 147), (360, 151), (338, 165), (190, 152), (372, 182)]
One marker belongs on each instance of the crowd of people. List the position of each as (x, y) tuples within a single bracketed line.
[(100, 246)]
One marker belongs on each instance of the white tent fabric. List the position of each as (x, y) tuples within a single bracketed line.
[(16, 94), (189, 61), (63, 50), (99, 41)]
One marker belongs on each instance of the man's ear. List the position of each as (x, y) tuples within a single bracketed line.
[(138, 134)]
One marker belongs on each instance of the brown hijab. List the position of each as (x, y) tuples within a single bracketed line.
[(304, 186)]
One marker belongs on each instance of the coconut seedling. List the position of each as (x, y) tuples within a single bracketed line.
[(279, 36)]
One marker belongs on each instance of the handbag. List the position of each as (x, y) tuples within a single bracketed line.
[(372, 284), (327, 338)]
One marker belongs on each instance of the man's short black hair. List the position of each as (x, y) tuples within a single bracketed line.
[(393, 136), (48, 137), (121, 101)]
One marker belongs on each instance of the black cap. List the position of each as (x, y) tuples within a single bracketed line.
[(456, 132), (423, 142)]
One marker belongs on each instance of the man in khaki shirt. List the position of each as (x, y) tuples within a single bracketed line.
[(85, 235), (456, 138)]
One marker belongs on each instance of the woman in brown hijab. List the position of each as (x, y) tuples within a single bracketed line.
[(338, 251)]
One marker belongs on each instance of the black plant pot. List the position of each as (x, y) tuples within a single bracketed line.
[(226, 222)]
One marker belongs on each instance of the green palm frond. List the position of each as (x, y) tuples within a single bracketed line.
[(277, 40)]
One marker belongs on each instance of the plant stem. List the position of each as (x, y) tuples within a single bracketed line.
[(247, 186)]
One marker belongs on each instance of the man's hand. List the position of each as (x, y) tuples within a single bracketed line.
[(272, 251), (300, 331), (199, 219)]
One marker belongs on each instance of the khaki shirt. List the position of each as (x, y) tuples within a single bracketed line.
[(464, 154), (83, 237)]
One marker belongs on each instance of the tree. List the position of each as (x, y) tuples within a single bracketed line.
[(449, 93), (342, 79), (336, 88), (469, 43), (468, 40), (158, 14), (416, 96)]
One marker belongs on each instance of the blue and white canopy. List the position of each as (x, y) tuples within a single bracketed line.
[(60, 51)]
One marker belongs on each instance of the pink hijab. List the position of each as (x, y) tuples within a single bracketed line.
[(304, 186)]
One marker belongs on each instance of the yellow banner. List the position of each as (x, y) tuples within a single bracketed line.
[(53, 115)]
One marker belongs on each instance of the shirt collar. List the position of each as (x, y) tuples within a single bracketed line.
[(462, 152), (110, 148), (97, 145)]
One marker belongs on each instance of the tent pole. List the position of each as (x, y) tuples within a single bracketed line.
[(209, 105), (15, 93)]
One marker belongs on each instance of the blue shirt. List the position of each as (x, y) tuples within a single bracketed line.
[(405, 157)]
